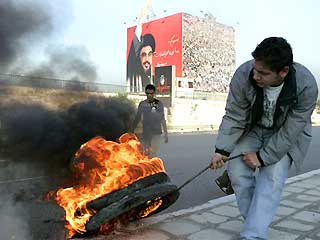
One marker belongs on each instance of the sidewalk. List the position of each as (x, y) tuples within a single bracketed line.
[(298, 217)]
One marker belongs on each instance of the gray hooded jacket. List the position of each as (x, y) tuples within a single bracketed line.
[(292, 118)]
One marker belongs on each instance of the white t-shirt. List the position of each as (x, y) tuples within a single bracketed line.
[(271, 95)]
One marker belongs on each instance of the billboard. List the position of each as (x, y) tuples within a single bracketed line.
[(159, 44)]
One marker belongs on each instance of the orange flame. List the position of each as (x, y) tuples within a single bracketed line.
[(101, 167), (152, 205)]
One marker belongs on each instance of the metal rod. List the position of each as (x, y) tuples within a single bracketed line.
[(236, 156), (205, 169), (198, 174)]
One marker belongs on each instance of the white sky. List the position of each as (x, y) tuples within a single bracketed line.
[(101, 25)]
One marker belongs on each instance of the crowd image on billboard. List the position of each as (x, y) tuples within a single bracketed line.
[(208, 53)]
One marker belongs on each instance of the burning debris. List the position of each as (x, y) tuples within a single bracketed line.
[(37, 144), (115, 182), (137, 186)]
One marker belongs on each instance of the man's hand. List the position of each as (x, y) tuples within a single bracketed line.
[(251, 160), (217, 161), (166, 137)]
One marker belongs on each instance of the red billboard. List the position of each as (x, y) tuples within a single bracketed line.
[(160, 44)]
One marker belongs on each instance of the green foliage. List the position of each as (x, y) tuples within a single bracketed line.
[(122, 94)]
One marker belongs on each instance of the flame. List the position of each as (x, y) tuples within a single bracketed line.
[(101, 167), (152, 206)]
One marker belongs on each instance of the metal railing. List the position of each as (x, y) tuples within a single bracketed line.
[(40, 82), (74, 85)]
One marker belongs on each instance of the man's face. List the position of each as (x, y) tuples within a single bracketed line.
[(265, 77), (146, 55), (150, 95)]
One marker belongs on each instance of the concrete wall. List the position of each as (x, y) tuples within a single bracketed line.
[(193, 115)]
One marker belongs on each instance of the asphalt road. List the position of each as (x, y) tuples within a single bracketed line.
[(25, 215), (187, 154)]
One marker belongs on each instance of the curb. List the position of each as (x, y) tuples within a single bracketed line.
[(218, 201)]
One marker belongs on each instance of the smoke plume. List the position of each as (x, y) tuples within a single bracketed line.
[(24, 214), (65, 62), (26, 24), (12, 223), (49, 138), (20, 22)]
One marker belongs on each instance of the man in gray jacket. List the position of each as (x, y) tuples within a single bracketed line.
[(268, 120)]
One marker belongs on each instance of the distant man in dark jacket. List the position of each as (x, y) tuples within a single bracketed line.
[(268, 119), (151, 111)]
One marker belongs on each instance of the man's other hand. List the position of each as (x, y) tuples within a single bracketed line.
[(251, 160)]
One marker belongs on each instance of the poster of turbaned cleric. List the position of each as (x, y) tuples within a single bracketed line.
[(152, 45)]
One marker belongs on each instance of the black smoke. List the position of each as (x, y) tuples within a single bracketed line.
[(99, 116), (21, 21), (66, 62), (32, 131), (26, 24), (49, 138)]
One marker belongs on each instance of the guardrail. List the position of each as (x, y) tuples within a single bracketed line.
[(40, 82)]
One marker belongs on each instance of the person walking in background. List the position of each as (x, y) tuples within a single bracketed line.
[(151, 111), (268, 120)]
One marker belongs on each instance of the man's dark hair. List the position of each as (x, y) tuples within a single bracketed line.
[(150, 87), (275, 53), (148, 40)]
